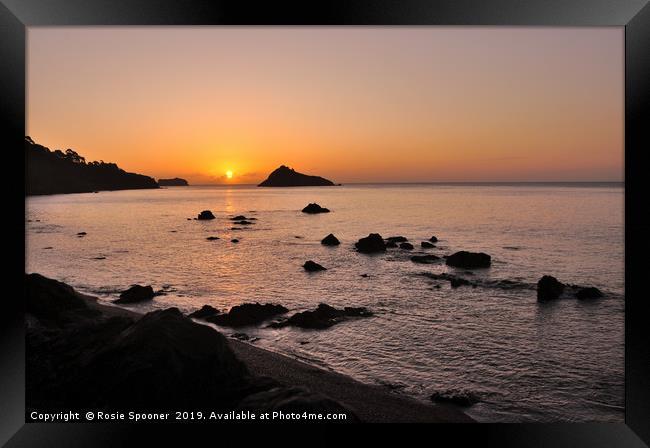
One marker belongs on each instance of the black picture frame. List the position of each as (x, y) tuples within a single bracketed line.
[(16, 15)]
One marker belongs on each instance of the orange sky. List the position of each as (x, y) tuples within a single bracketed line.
[(363, 104)]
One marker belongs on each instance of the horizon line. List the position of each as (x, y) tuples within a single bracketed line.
[(434, 183)]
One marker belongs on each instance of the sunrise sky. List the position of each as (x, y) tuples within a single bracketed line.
[(363, 104)]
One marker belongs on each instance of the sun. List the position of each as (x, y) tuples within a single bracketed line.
[(229, 174)]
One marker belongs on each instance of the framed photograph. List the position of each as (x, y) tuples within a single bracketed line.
[(343, 213)]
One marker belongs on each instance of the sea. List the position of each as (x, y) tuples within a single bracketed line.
[(524, 360)]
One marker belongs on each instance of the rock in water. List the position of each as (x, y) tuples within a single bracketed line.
[(212, 238), (330, 240), (175, 182), (205, 214), (205, 311), (323, 317), (242, 218), (397, 239), (315, 208), (469, 260), (311, 266), (247, 314), (287, 177), (371, 244), (425, 259), (136, 293), (433, 239), (406, 246), (549, 288), (426, 245), (588, 293)]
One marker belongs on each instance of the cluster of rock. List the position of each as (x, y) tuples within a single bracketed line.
[(374, 243), (78, 357), (240, 315), (324, 316), (249, 314), (550, 288)]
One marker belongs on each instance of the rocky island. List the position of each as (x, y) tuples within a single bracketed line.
[(175, 182), (288, 177), (56, 172)]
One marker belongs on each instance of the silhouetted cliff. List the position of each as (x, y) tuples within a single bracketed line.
[(54, 172), (287, 177), (175, 182)]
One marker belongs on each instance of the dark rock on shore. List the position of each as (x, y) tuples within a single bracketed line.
[(311, 266), (288, 177), (469, 260), (247, 314), (175, 182), (457, 397), (330, 240), (425, 259), (371, 244), (57, 172), (50, 299), (136, 293), (324, 316), (205, 311), (102, 358), (426, 245), (205, 214), (406, 246), (549, 288), (314, 208), (397, 239)]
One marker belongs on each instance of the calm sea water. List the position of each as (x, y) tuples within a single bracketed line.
[(527, 361)]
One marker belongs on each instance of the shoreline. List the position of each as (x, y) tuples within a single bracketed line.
[(371, 403)]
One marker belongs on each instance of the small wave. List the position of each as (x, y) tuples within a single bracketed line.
[(457, 281)]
